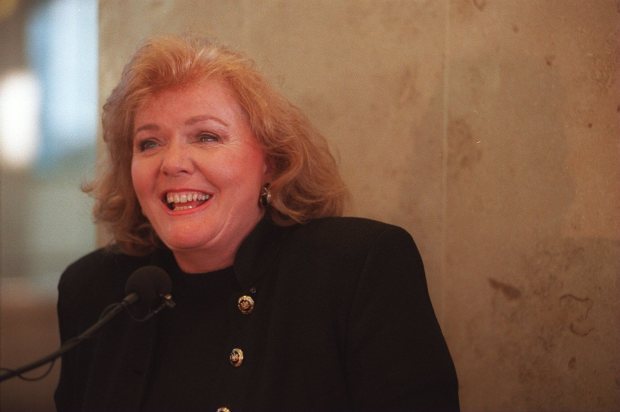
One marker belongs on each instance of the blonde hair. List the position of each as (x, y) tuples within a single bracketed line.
[(306, 183)]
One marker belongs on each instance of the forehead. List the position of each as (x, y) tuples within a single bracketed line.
[(207, 97)]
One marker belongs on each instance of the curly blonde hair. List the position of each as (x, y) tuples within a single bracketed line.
[(306, 183)]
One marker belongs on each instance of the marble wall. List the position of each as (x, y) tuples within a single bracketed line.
[(490, 130)]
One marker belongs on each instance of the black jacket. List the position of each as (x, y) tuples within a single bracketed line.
[(342, 322)]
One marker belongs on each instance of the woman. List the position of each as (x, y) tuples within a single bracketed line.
[(281, 305)]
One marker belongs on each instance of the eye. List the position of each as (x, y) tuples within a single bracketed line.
[(146, 144), (208, 137)]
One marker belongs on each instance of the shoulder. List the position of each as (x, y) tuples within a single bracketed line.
[(97, 278), (347, 244), (101, 264), (349, 223), (349, 232)]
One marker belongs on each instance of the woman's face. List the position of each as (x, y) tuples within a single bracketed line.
[(197, 170)]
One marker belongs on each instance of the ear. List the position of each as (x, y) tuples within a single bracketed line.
[(268, 169)]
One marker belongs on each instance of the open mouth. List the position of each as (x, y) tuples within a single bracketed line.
[(178, 201)]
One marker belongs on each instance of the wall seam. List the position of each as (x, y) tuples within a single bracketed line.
[(444, 159)]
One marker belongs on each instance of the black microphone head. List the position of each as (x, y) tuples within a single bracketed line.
[(149, 283)]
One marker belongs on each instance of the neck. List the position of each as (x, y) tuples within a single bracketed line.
[(202, 262), (214, 256)]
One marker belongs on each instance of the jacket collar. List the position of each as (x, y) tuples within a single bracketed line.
[(257, 252)]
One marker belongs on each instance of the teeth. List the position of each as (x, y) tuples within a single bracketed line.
[(185, 197), (183, 207)]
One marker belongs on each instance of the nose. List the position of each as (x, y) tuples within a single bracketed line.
[(177, 160)]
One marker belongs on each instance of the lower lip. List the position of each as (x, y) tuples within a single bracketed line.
[(190, 210)]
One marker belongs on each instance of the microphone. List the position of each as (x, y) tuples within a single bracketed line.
[(147, 286), (144, 288)]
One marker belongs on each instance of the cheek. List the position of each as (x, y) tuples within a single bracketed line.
[(259, 166), (139, 179), (135, 176), (242, 169)]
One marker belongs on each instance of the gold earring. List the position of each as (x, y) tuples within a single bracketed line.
[(265, 195)]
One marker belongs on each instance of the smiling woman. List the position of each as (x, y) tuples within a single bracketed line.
[(306, 183), (281, 303), (197, 163)]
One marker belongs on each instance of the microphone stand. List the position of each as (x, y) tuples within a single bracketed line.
[(75, 341), (108, 314)]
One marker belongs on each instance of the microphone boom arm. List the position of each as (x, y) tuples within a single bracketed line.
[(145, 284), (73, 342)]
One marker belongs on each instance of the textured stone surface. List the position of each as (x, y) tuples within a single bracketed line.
[(487, 128), (532, 221)]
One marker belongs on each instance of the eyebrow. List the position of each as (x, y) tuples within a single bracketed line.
[(201, 118), (149, 126), (191, 121)]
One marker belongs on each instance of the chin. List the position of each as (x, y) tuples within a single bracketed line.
[(186, 243)]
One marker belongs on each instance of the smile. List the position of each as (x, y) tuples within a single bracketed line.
[(178, 201)]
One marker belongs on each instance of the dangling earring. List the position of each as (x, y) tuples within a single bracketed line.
[(265, 195)]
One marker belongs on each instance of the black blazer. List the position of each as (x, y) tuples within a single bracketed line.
[(342, 322)]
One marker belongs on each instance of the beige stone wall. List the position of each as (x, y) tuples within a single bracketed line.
[(487, 128)]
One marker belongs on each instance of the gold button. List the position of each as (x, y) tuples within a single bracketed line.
[(245, 304), (236, 357), (223, 409)]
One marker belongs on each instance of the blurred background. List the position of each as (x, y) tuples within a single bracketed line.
[(490, 129), (48, 127)]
